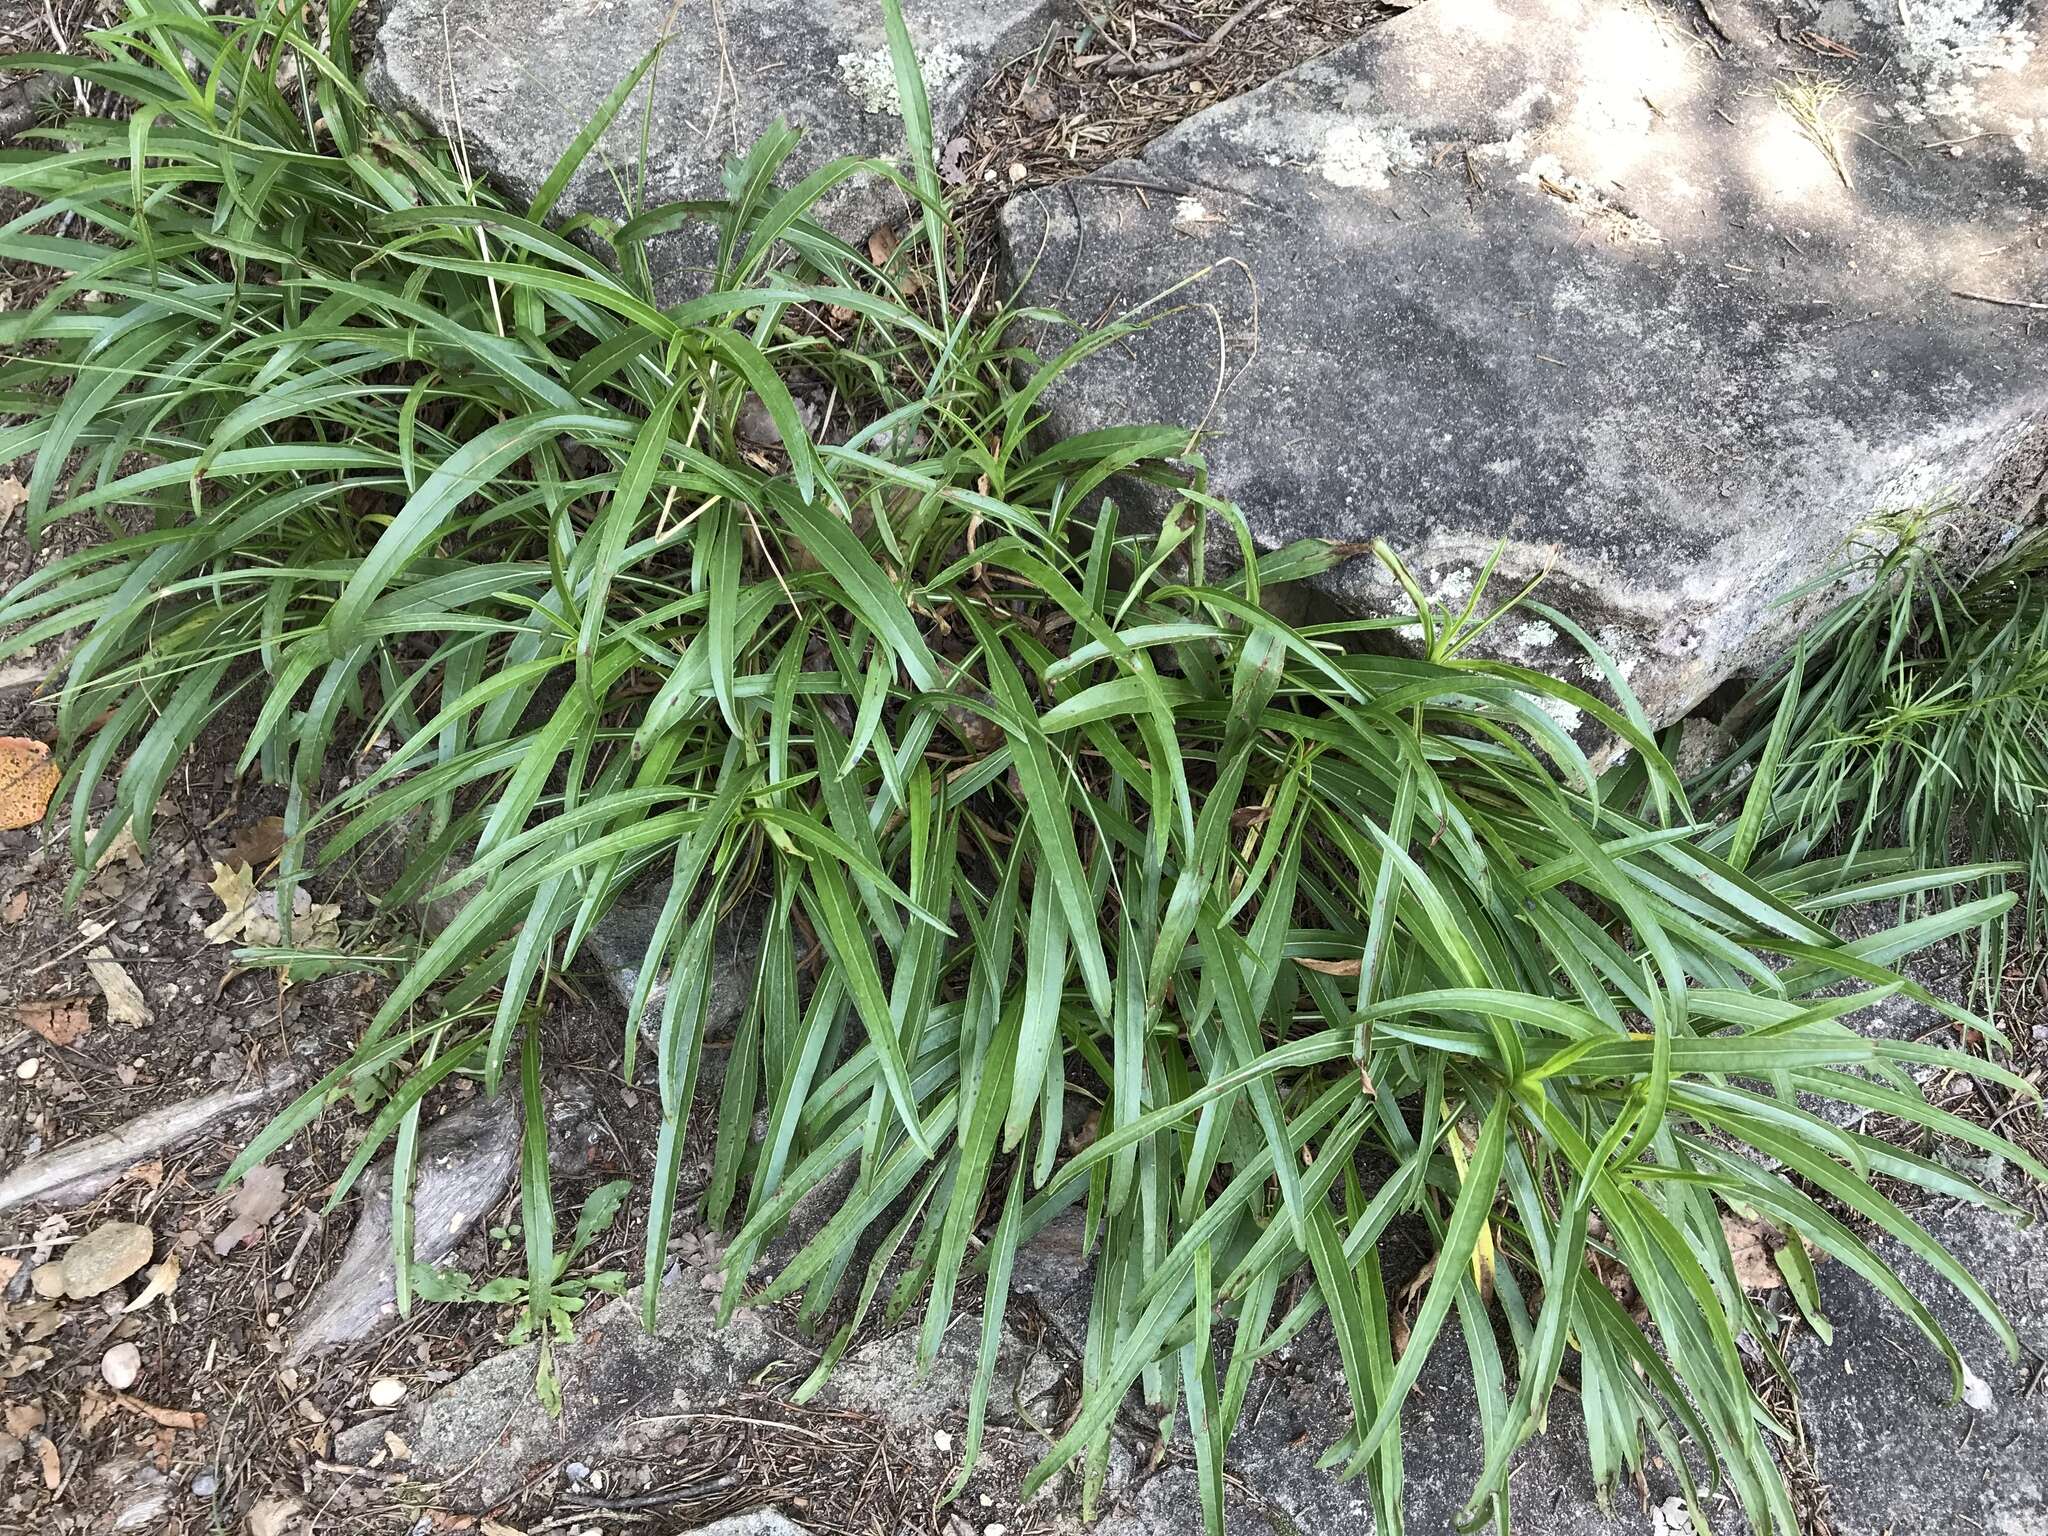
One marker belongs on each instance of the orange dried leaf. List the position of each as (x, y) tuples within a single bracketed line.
[(1328, 967), (59, 1020), (28, 777)]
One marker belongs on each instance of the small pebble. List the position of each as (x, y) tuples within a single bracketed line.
[(48, 1279), (1017, 171), (29, 1068), (387, 1393), (204, 1485), (576, 1471), (942, 1440), (120, 1366)]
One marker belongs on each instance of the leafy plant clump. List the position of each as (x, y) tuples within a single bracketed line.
[(1034, 810), (1915, 713)]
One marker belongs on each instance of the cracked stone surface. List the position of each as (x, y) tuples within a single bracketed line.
[(516, 80), (1633, 294)]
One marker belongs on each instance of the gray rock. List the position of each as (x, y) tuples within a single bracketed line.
[(466, 1162), (618, 943), (516, 80), (1896, 1453), (488, 1429), (1565, 273)]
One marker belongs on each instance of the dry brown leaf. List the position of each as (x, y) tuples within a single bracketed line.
[(28, 1358), (31, 1321), (53, 1469), (258, 1197), (170, 1418), (1328, 967), (1755, 1254), (9, 1268), (15, 907), (13, 497), (23, 1417), (883, 243), (274, 1517), (258, 843), (28, 777), (59, 1020), (125, 1002), (115, 873), (492, 1527), (93, 1409)]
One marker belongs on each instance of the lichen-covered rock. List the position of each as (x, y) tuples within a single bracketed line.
[(1671, 301), (516, 80)]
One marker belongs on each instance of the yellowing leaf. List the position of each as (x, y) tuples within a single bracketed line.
[(236, 888), (28, 777)]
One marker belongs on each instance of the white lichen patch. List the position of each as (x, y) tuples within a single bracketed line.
[(1566, 715), (1510, 151), (1366, 152), (1192, 216), (1534, 637), (870, 78), (1951, 45)]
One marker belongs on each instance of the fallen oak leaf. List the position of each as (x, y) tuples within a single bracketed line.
[(53, 1469), (170, 1418), (13, 497), (15, 907), (235, 887), (28, 777), (125, 1002), (23, 1418)]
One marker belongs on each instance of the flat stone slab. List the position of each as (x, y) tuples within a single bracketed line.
[(626, 1393), (1896, 1453), (516, 80), (1664, 296)]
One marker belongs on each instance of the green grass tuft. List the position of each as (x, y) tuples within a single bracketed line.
[(1915, 714), (1047, 815)]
